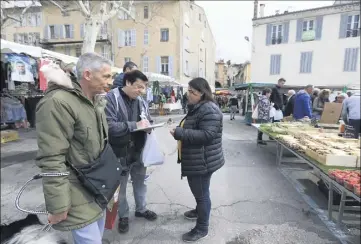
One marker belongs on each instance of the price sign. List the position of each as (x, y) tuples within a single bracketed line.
[(350, 132)]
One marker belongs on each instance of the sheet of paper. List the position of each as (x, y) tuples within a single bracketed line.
[(150, 127)]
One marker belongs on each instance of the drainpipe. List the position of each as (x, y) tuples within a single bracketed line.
[(255, 9)]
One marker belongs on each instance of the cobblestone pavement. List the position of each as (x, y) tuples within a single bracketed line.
[(252, 202)]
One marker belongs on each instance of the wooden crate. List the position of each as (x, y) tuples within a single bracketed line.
[(9, 135), (333, 160)]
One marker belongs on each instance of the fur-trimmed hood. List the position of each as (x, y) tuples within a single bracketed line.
[(55, 75)]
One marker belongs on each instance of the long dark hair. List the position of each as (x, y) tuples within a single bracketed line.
[(203, 87)]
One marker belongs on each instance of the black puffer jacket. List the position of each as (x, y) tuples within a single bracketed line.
[(201, 137)]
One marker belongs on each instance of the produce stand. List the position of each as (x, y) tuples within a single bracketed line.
[(321, 171)]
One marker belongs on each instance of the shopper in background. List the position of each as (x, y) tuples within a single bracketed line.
[(277, 95), (351, 112), (319, 103), (200, 152), (302, 107), (264, 108), (315, 94), (69, 125), (233, 106), (290, 102), (128, 66), (340, 98), (349, 94)]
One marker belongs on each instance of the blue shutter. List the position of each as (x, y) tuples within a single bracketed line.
[(268, 34), (133, 34), (346, 60), (319, 22), (170, 66), (286, 32), (299, 30), (302, 63), (343, 25), (121, 38), (278, 71), (158, 65), (46, 32), (354, 59), (82, 31), (309, 62), (72, 31), (61, 31), (271, 65)]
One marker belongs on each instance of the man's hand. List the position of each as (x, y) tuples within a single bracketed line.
[(172, 132), (143, 124), (57, 218)]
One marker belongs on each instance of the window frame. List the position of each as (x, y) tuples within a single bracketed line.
[(52, 35), (146, 34), (78, 51), (145, 61), (308, 21), (146, 12), (65, 31), (164, 66), (127, 37), (164, 30), (350, 31), (279, 34)]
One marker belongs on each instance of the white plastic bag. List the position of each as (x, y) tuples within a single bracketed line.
[(152, 155), (272, 112), (255, 113), (278, 115)]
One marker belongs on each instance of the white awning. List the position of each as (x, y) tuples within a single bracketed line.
[(163, 79), (12, 47), (63, 57)]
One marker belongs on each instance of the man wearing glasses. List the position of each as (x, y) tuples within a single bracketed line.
[(125, 112)]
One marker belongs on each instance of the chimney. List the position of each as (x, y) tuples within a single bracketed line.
[(261, 11), (255, 9), (277, 12)]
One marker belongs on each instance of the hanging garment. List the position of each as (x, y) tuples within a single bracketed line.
[(43, 83), (149, 94), (21, 69)]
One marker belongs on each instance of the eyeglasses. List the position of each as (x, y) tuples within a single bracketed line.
[(192, 92)]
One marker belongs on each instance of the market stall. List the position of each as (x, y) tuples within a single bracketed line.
[(334, 158), (162, 85)]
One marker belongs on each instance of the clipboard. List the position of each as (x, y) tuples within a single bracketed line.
[(150, 127)]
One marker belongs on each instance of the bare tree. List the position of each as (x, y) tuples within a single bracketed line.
[(96, 13), (10, 11)]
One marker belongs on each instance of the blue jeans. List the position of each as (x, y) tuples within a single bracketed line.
[(199, 186), (90, 234), (137, 172)]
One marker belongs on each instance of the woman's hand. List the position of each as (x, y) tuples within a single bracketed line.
[(172, 131)]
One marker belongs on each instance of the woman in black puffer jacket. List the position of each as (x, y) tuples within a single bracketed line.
[(200, 152)]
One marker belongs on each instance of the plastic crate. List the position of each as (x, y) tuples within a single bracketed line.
[(9, 135)]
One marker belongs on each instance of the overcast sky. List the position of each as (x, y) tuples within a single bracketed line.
[(224, 16)]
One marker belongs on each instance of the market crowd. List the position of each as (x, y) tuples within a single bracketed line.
[(77, 120), (306, 104)]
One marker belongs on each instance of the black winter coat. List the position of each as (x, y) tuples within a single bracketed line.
[(289, 106), (201, 137), (277, 97)]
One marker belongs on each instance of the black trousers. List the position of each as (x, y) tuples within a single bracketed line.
[(356, 124)]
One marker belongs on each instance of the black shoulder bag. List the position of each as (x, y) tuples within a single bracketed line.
[(101, 177)]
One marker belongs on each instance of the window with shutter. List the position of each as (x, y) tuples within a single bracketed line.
[(133, 34), (277, 34), (127, 59), (78, 51), (306, 62), (67, 51), (351, 59), (82, 31), (146, 12), (38, 19)]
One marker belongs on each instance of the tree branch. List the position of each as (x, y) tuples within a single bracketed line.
[(84, 9), (27, 7)]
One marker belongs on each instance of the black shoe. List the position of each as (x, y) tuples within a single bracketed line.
[(191, 214), (123, 225), (148, 215), (260, 142), (194, 235)]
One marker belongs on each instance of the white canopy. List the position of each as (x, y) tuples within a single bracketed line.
[(163, 79), (63, 57), (12, 47)]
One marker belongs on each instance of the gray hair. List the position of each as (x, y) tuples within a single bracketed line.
[(291, 92), (90, 61)]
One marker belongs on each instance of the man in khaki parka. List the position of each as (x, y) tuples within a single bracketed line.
[(69, 125)]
